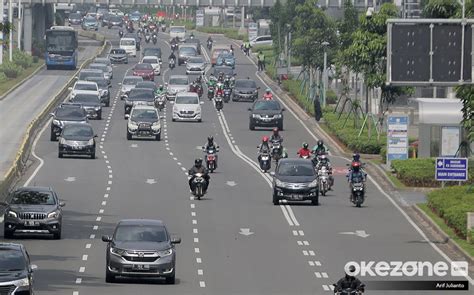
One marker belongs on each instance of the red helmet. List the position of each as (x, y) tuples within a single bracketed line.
[(265, 139)]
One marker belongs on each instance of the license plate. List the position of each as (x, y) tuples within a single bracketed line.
[(266, 119), (77, 147), (296, 197), (31, 223), (140, 267)]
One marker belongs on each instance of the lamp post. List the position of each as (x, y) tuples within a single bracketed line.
[(325, 73), (289, 48)]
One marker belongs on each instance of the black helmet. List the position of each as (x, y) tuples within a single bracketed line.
[(198, 162), (305, 145), (320, 143), (210, 139), (351, 270)]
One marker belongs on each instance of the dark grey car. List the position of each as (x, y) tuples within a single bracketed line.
[(33, 210), (104, 89), (118, 55), (266, 113), (16, 270), (77, 139), (245, 89), (64, 114), (141, 248), (91, 104), (295, 180), (115, 21), (138, 95)]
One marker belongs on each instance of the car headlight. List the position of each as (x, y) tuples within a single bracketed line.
[(117, 251), (63, 141), (165, 252), (279, 183), (255, 116), (278, 116), (57, 122), (97, 108), (105, 92), (54, 214), (198, 110), (132, 125), (156, 126), (313, 183), (90, 142), (25, 282), (12, 214)]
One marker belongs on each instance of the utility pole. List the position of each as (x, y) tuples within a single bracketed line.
[(10, 20), (20, 18), (289, 48), (325, 73), (1, 32)]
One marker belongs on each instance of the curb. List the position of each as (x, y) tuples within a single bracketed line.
[(440, 232), (21, 159), (21, 82)]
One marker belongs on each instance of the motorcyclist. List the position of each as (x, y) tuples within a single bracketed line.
[(210, 145), (172, 56), (349, 281), (209, 39), (198, 168), (220, 89), (191, 36), (220, 78), (356, 157), (356, 174), (212, 78), (276, 136), (304, 151), (231, 49), (160, 90), (319, 148), (264, 147), (120, 33), (268, 94), (324, 162)]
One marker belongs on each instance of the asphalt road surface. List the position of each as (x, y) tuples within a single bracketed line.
[(234, 240)]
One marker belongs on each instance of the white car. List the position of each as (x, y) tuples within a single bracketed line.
[(176, 84), (155, 63), (177, 31), (129, 45), (262, 40), (187, 107), (84, 87), (128, 83), (195, 65), (116, 12)]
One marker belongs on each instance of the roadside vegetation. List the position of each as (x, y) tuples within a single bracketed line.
[(13, 72), (228, 32)]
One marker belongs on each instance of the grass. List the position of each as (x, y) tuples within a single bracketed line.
[(10, 83), (469, 248)]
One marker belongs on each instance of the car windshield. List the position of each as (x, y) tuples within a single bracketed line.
[(152, 51), (102, 60), (75, 130), (245, 84), (86, 98), (141, 95), (226, 56), (177, 30), (131, 81), (143, 67), (135, 14), (189, 50), (196, 60), (292, 169), (127, 42), (90, 20), (11, 260), (115, 19), (84, 75), (102, 83), (178, 81), (146, 85), (144, 114), (70, 112), (150, 61), (117, 51), (140, 233), (32, 198), (81, 86), (74, 16), (267, 105), (101, 67), (187, 100)]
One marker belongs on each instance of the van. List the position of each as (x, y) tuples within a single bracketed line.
[(217, 50), (129, 45), (177, 31)]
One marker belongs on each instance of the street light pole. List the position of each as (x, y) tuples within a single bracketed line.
[(10, 20), (289, 49), (325, 76)]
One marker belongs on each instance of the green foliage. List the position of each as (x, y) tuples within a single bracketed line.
[(294, 88), (348, 25), (3, 77), (441, 9), (331, 97), (228, 32), (10, 69), (452, 205), (35, 59), (466, 94), (6, 27), (22, 59)]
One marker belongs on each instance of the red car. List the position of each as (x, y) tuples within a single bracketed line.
[(145, 71)]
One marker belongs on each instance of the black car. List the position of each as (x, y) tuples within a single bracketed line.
[(141, 248), (194, 41), (228, 71), (152, 51), (115, 21), (91, 103), (75, 19), (245, 89), (105, 20), (295, 180), (266, 113), (64, 114), (16, 270), (137, 38), (104, 89), (138, 95), (77, 139), (33, 210), (147, 84)]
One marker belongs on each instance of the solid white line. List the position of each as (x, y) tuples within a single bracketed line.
[(33, 152), (202, 284), (88, 246), (82, 269), (84, 257), (198, 260), (200, 272), (292, 215), (78, 280)]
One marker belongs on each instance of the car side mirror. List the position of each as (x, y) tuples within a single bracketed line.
[(62, 204), (272, 173), (76, 78), (69, 88), (283, 110), (51, 114), (202, 102), (33, 267), (106, 239), (249, 109), (127, 116), (175, 240), (95, 136)]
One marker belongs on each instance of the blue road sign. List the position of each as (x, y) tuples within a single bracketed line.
[(451, 169)]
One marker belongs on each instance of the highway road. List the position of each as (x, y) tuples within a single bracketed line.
[(234, 241), (23, 104)]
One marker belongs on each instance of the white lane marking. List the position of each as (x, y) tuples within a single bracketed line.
[(326, 288), (198, 260), (101, 211), (193, 206), (195, 230), (96, 227), (171, 153), (311, 253), (88, 246), (317, 263), (317, 274), (195, 221), (106, 196), (82, 269), (311, 263), (98, 218), (182, 168), (33, 152), (295, 232), (292, 215), (306, 243), (176, 159), (191, 198), (105, 156), (305, 253), (301, 232), (200, 272), (196, 240), (78, 281), (84, 257), (300, 243), (75, 293), (104, 203), (196, 250), (179, 163), (193, 213), (110, 181), (108, 188), (325, 275), (202, 284), (92, 237), (107, 161)]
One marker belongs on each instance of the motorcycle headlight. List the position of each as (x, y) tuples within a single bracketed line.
[(12, 214), (117, 251), (63, 141), (165, 252), (57, 122), (54, 214), (313, 183), (90, 142), (279, 183), (25, 282)]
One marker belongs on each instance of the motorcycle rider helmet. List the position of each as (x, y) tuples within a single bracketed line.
[(265, 139), (198, 162), (305, 145), (160, 87), (210, 139), (320, 143), (275, 131), (356, 157), (351, 269), (323, 159), (268, 90), (355, 166)]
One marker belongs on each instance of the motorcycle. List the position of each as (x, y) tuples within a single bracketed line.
[(357, 193), (265, 162), (227, 93), (174, 46), (171, 63), (219, 103), (209, 44), (163, 28), (276, 150), (198, 183), (120, 33), (160, 102), (199, 89), (147, 39), (210, 92), (323, 176), (211, 160), (349, 291), (154, 39)]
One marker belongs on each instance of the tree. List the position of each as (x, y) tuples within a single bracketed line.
[(440, 8), (348, 25), (278, 19)]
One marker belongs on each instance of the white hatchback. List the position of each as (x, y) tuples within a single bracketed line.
[(187, 107)]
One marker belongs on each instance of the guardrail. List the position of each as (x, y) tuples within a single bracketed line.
[(21, 161)]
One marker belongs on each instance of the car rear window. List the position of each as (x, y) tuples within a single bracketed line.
[(178, 81), (143, 66), (117, 51), (81, 86), (187, 100), (132, 81)]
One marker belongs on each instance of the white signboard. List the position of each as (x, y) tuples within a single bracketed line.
[(397, 138), (252, 31), (200, 18), (449, 141)]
